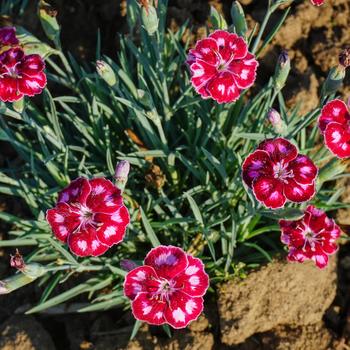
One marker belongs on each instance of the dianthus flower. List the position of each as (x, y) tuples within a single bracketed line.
[(317, 2), (334, 123), (277, 173), (20, 75), (313, 237), (8, 36), (168, 288), (221, 66), (89, 216)]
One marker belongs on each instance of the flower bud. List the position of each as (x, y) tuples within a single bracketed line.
[(344, 58), (149, 19), (47, 15), (128, 265), (276, 121), (121, 174), (216, 19), (145, 98), (334, 80), (106, 72), (282, 70), (238, 19), (18, 106)]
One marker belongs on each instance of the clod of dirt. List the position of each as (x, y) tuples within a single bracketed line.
[(196, 338), (280, 293), (311, 337), (24, 333)]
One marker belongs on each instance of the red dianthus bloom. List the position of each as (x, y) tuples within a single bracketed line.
[(317, 2), (221, 66), (168, 288), (313, 237), (20, 75), (89, 216), (334, 123), (277, 173)]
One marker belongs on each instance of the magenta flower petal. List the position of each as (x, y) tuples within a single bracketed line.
[(168, 288), (255, 165), (221, 66), (193, 281), (32, 85), (8, 36), (32, 65), (223, 88), (297, 192), (85, 243), (183, 309), (72, 192), (140, 280), (317, 2), (304, 169), (269, 191), (168, 261), (63, 220), (9, 89), (104, 196), (244, 71), (337, 139), (334, 111), (112, 228), (150, 310), (313, 237), (279, 149)]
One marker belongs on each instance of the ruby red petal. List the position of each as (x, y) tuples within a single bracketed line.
[(194, 281), (150, 310), (32, 85), (321, 260), (167, 261), (334, 111), (255, 165), (223, 88), (317, 2), (239, 47), (85, 243), (8, 36), (32, 65), (337, 139), (76, 191), (270, 192), (279, 149), (63, 221), (136, 281), (304, 170), (113, 226), (11, 57), (183, 309), (221, 37), (206, 50), (244, 71), (297, 192), (104, 196), (9, 90)]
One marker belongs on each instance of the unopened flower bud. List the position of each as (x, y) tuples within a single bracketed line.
[(276, 121), (47, 15), (149, 19), (344, 58), (216, 19), (128, 265), (282, 70), (145, 98), (17, 261), (238, 19), (334, 80), (105, 71), (121, 174)]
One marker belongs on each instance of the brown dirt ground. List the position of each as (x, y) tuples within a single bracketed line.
[(313, 38)]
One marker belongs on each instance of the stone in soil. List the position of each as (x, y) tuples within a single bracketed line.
[(278, 294), (24, 333)]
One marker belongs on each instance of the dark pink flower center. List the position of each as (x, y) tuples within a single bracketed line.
[(312, 239), (13, 72), (281, 172), (165, 289)]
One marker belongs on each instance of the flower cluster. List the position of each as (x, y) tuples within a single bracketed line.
[(277, 173), (334, 124), (89, 216), (313, 237), (20, 74), (168, 288), (221, 66)]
